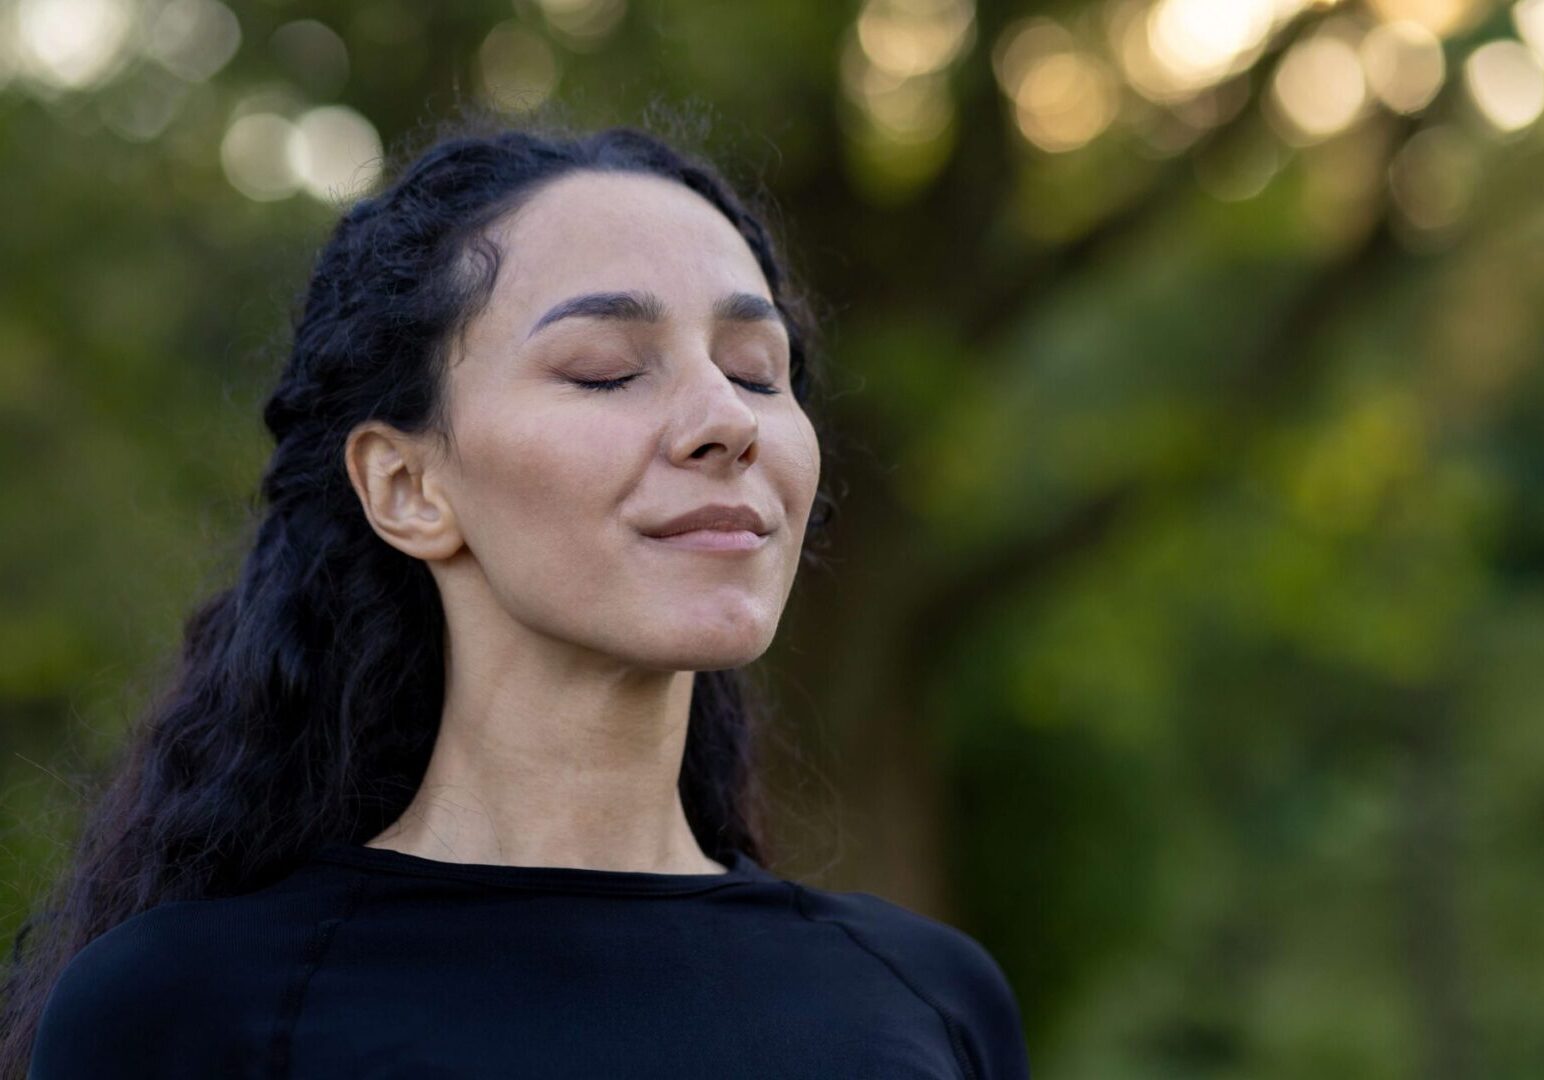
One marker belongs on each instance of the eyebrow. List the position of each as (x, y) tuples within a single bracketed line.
[(648, 307)]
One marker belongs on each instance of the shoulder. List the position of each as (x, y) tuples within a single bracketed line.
[(188, 987), (943, 965), (118, 998)]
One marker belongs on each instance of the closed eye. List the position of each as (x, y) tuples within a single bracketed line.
[(603, 385), (758, 387)]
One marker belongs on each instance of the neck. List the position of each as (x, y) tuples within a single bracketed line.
[(551, 755)]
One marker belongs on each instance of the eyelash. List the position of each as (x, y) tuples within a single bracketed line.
[(604, 385)]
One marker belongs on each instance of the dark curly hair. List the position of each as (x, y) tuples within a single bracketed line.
[(308, 694)]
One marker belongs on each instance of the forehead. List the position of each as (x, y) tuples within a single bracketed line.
[(591, 231)]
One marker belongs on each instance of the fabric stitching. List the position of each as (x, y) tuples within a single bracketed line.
[(956, 1038), (316, 947)]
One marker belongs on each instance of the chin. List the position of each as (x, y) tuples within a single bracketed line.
[(708, 646)]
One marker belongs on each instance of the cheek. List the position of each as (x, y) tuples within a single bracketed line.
[(793, 458), (530, 478)]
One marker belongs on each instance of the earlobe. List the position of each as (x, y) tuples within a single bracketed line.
[(402, 503)]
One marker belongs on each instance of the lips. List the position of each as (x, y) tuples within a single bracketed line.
[(713, 516)]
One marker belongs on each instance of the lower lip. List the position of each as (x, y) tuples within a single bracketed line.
[(714, 540)]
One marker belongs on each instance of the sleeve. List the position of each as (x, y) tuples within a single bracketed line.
[(99, 1019), (989, 1011), (136, 1002), (947, 966)]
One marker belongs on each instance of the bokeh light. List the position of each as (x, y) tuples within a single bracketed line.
[(1173, 50), (193, 39), (72, 44), (895, 67), (1064, 99), (1319, 88), (904, 109), (1198, 42), (1063, 96), (255, 155), (583, 24), (1404, 65), (1528, 17), (1506, 83), (141, 110), (904, 38), (313, 54), (1240, 169), (1432, 178), (335, 153), (517, 69), (1441, 17), (1021, 43)]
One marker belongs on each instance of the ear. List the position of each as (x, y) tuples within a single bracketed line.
[(405, 505)]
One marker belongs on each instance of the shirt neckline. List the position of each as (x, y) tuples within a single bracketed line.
[(741, 869)]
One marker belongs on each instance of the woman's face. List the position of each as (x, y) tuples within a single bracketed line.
[(554, 485)]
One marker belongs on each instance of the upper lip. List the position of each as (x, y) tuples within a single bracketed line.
[(712, 516)]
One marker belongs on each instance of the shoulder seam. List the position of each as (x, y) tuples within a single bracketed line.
[(956, 1040), (311, 959)]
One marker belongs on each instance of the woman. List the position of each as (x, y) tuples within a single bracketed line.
[(456, 781)]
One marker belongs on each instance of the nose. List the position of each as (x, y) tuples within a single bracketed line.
[(712, 424)]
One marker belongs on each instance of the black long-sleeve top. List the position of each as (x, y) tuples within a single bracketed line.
[(367, 962)]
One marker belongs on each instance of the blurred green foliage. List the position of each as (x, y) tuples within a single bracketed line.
[(1184, 637)]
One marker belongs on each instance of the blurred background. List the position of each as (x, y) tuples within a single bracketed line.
[(1182, 637)]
